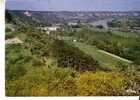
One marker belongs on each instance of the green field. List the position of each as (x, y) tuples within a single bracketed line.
[(127, 34), (104, 58)]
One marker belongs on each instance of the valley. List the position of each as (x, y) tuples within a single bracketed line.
[(72, 53)]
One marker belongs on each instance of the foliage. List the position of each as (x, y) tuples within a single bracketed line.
[(9, 35), (70, 56), (17, 60), (31, 71), (133, 53), (107, 61), (100, 84), (8, 16), (8, 29), (128, 22), (108, 41), (132, 81), (51, 81)]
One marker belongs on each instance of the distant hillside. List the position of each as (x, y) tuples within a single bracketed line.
[(19, 18), (50, 17)]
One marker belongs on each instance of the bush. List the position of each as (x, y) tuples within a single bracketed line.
[(69, 56), (100, 84), (15, 71), (8, 30), (9, 35), (51, 81)]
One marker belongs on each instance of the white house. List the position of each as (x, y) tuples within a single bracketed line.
[(49, 29), (72, 24)]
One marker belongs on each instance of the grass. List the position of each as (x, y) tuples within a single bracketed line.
[(123, 59), (104, 58), (127, 34), (119, 33)]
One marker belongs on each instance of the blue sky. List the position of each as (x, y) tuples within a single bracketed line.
[(74, 5)]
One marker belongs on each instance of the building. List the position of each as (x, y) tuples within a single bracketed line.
[(49, 29), (72, 24)]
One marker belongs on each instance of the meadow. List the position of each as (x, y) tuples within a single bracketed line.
[(106, 60)]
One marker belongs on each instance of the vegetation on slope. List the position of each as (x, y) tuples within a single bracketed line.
[(44, 66), (106, 40), (105, 60)]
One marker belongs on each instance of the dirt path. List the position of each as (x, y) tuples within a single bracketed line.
[(15, 40)]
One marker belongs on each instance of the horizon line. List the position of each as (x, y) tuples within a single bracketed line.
[(74, 10)]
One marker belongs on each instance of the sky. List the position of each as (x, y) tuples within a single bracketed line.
[(74, 5)]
